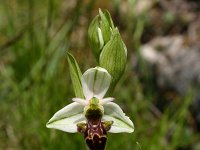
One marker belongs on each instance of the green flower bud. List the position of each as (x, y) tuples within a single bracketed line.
[(99, 32), (93, 37), (106, 24), (113, 57)]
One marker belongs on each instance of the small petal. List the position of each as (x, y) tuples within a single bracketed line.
[(67, 118), (95, 83), (114, 113), (81, 101), (106, 100)]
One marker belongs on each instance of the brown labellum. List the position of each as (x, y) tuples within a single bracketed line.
[(95, 135), (94, 131)]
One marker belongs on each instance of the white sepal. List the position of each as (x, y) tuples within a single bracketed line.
[(122, 123), (67, 118), (95, 83)]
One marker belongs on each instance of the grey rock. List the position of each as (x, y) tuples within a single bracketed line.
[(177, 65)]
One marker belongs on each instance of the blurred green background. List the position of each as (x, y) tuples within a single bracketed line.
[(35, 81)]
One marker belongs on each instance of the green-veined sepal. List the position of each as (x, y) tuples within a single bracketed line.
[(67, 118), (121, 123)]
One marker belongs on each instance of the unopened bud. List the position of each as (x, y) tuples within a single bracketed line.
[(99, 32), (113, 57)]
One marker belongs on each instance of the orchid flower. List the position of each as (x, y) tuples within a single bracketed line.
[(95, 115)]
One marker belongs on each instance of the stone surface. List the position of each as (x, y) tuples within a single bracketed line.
[(177, 66)]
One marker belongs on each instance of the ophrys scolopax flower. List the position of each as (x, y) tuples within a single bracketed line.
[(95, 115)]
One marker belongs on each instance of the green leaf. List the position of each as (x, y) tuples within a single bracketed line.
[(113, 57), (76, 75)]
